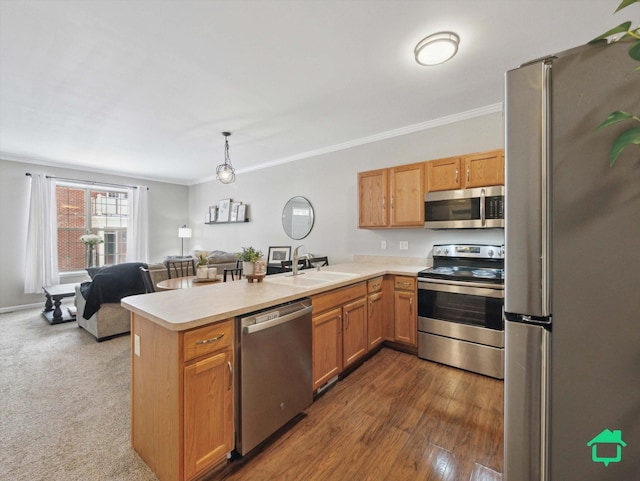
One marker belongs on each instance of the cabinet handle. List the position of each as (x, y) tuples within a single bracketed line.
[(370, 307), (456, 176), (346, 318), (392, 202), (384, 202), (339, 324), (230, 375), (208, 341), (411, 305), (468, 174)]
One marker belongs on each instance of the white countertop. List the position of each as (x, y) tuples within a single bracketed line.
[(183, 309)]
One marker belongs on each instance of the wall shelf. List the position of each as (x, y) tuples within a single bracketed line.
[(228, 222)]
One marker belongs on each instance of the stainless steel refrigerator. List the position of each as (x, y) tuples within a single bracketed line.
[(572, 270)]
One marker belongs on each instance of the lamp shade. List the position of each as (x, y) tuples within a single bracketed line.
[(184, 232), (437, 48)]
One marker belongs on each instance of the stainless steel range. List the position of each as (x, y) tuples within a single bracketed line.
[(460, 303)]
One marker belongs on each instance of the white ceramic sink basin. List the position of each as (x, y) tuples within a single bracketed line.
[(309, 278)]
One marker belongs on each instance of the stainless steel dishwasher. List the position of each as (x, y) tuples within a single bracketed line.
[(274, 371)]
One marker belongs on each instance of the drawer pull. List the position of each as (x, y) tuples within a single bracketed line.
[(405, 283), (208, 341)]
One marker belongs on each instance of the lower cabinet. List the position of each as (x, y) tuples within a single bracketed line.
[(339, 331), (182, 397), (405, 311), (375, 312)]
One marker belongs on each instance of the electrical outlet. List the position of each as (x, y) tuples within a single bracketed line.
[(404, 245), (383, 244)]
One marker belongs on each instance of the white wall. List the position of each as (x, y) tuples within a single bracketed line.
[(330, 183), (168, 211)]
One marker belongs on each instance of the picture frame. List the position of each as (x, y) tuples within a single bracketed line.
[(233, 215), (224, 210), (277, 254), (242, 212)]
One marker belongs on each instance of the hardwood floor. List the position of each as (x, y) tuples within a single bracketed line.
[(397, 418)]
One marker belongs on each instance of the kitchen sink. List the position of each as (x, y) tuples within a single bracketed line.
[(310, 278)]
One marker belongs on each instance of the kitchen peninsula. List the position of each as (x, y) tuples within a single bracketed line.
[(183, 351)]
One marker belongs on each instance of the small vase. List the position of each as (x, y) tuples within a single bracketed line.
[(202, 272), (248, 268)]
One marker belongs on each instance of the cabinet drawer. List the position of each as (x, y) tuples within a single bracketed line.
[(374, 285), (207, 339), (405, 283), (337, 297)]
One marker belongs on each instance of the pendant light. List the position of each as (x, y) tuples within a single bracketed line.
[(225, 172)]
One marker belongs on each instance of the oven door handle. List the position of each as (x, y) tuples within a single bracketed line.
[(460, 289)]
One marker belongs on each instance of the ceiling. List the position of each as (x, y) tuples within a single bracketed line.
[(144, 88)]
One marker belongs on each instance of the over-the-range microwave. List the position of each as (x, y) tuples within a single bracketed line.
[(479, 208)]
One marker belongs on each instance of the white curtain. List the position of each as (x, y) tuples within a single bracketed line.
[(138, 228), (41, 257)]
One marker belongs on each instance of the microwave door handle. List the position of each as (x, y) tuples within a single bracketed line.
[(483, 220)]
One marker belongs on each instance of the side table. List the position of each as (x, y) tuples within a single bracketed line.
[(52, 311)]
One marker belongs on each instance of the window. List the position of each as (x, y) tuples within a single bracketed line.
[(95, 210)]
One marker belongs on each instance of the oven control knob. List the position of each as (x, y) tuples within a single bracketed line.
[(446, 252), (490, 252), (437, 250)]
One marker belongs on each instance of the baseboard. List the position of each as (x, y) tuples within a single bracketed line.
[(22, 307)]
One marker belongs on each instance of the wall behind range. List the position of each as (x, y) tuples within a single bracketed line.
[(329, 181)]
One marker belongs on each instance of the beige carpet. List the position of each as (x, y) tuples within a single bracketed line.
[(64, 403)]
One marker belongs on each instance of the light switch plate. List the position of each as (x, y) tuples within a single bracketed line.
[(383, 244)]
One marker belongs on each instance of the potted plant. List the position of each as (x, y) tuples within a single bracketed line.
[(202, 269), (249, 256)]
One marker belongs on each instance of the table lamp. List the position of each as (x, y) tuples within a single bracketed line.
[(183, 232)]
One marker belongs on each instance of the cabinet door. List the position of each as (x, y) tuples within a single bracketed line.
[(208, 412), (375, 315), (372, 198), (444, 174), (354, 331), (406, 319), (407, 195), (327, 346), (486, 169)]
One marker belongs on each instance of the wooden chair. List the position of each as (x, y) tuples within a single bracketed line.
[(181, 268), (318, 261), (235, 272), (146, 278), (287, 265)]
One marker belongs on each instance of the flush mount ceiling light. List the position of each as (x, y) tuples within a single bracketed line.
[(437, 48), (225, 172)]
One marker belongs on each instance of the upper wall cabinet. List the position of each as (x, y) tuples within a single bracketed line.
[(484, 169), (373, 191), (394, 197), (444, 174), (391, 197)]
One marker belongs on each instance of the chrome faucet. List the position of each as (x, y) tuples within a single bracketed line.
[(294, 264)]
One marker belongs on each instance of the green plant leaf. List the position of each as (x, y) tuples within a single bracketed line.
[(623, 27), (629, 137), (625, 3), (614, 117), (634, 51)]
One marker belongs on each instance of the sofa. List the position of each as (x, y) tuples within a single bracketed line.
[(98, 308), (219, 259)]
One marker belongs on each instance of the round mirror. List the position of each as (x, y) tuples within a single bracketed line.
[(297, 218)]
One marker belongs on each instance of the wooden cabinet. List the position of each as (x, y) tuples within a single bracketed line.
[(339, 331), (354, 331), (391, 197), (444, 174), (484, 169), (407, 195), (375, 312), (405, 310), (182, 397), (373, 192)]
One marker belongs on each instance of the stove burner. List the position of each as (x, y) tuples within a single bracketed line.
[(443, 270), (484, 273)]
